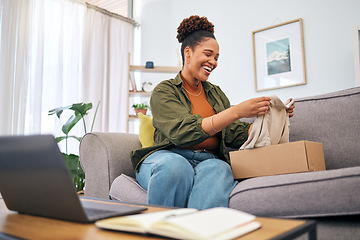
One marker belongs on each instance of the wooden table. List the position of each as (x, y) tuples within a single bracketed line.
[(32, 227)]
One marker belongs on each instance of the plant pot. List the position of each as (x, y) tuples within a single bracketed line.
[(138, 110)]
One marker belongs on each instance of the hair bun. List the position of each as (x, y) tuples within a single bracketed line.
[(192, 24)]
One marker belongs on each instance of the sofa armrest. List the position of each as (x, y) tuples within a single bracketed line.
[(105, 156)]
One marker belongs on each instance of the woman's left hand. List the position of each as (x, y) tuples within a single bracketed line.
[(290, 110)]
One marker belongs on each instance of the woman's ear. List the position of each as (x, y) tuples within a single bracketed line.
[(187, 54)]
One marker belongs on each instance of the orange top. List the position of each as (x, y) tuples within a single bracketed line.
[(201, 106)]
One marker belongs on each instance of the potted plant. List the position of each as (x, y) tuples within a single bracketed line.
[(140, 107), (80, 110)]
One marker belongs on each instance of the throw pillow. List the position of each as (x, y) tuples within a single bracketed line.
[(146, 131)]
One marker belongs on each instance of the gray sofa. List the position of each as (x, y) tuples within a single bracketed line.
[(331, 197)]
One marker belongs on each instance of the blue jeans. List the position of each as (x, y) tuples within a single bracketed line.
[(186, 178)]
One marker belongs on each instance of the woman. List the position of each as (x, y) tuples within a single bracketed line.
[(194, 123)]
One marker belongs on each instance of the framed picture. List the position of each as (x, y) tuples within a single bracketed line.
[(279, 59), (357, 55)]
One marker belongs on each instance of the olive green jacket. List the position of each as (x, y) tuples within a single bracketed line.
[(175, 125)]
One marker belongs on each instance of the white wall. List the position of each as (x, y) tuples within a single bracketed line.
[(328, 36)]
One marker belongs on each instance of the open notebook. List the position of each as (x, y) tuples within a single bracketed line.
[(215, 224)]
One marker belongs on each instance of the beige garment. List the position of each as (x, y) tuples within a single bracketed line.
[(272, 128)]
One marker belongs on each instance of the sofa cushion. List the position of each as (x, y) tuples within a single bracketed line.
[(146, 131), (332, 120), (310, 194), (126, 189)]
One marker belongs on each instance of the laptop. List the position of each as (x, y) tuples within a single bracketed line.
[(35, 180)]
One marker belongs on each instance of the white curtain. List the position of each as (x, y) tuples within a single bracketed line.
[(106, 71), (57, 52), (14, 64)]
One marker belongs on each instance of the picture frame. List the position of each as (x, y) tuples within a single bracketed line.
[(279, 59), (357, 54)]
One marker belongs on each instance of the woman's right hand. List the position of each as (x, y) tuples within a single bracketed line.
[(253, 107)]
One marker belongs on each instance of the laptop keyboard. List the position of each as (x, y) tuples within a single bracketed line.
[(98, 213)]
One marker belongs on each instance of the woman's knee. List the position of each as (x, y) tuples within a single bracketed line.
[(214, 165), (168, 164), (175, 166)]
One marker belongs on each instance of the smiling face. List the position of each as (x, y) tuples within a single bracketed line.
[(200, 61)]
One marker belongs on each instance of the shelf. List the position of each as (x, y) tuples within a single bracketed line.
[(140, 94), (159, 69), (134, 117)]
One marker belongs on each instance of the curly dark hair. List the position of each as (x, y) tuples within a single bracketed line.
[(192, 24), (192, 31)]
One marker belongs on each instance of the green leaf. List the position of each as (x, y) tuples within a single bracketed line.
[(59, 139), (81, 108), (71, 162), (78, 108), (71, 122), (58, 111), (140, 106), (76, 172)]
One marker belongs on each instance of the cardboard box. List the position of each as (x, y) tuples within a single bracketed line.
[(293, 157)]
